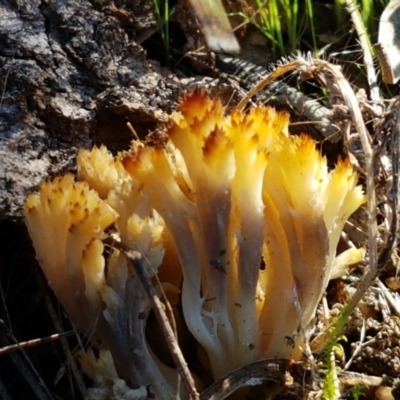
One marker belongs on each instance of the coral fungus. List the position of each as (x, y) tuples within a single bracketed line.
[(239, 220)]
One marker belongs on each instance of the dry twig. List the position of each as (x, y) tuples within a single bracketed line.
[(249, 375), (32, 342)]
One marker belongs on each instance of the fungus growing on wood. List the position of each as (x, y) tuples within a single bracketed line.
[(236, 216)]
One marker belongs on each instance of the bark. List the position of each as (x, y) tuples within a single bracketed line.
[(72, 75)]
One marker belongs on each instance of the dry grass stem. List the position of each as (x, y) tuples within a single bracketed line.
[(71, 360), (368, 60), (358, 348), (275, 74), (24, 365), (337, 82), (33, 342)]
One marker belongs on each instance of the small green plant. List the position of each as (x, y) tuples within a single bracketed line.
[(272, 16), (329, 389), (268, 20), (277, 19), (310, 19), (357, 392), (162, 18), (332, 348)]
